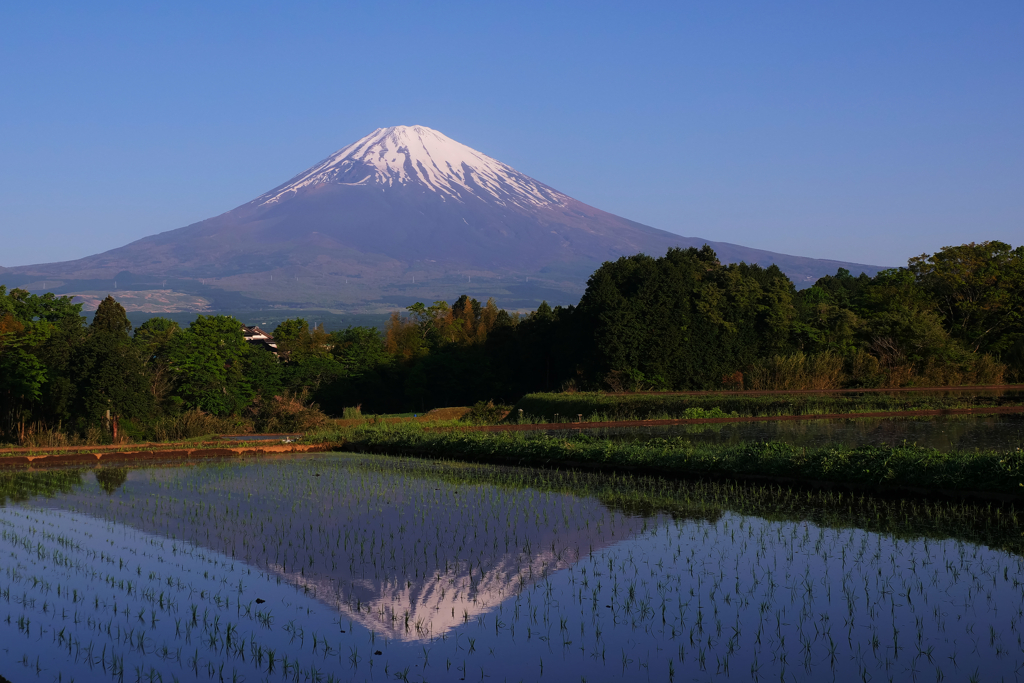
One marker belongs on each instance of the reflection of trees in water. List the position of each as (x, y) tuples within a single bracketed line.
[(110, 479), (21, 486)]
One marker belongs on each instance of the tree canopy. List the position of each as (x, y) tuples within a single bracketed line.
[(679, 321)]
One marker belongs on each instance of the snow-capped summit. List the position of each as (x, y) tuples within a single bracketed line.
[(411, 155)]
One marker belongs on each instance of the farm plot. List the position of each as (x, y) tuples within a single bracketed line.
[(355, 568)]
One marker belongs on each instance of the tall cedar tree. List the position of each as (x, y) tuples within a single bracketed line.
[(109, 371)]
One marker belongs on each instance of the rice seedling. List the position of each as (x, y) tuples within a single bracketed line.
[(947, 433), (260, 570), (872, 467)]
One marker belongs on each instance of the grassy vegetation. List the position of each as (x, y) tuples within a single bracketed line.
[(905, 466), (288, 413), (595, 406)]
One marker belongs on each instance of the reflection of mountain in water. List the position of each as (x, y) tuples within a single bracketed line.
[(419, 591), (407, 557)]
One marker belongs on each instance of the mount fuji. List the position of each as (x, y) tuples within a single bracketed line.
[(403, 214)]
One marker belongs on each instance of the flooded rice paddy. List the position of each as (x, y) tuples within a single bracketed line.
[(989, 432), (340, 567)]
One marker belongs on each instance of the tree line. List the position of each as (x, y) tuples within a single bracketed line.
[(681, 321)]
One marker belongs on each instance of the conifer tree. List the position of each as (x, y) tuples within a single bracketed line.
[(110, 372), (111, 317)]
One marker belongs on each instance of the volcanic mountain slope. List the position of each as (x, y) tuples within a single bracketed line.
[(403, 214)]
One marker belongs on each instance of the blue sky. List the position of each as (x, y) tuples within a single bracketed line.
[(867, 131)]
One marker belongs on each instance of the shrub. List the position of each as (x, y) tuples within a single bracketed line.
[(287, 413), (485, 412), (194, 423), (797, 371)]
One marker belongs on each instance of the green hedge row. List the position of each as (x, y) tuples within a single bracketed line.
[(886, 466)]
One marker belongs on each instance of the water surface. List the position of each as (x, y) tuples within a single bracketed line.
[(339, 567)]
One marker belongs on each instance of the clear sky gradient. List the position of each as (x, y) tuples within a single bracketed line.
[(861, 131)]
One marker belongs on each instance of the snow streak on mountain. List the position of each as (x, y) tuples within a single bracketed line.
[(416, 154)]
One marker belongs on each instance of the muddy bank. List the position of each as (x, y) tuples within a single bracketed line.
[(86, 458)]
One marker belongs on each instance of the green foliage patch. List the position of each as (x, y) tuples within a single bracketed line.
[(681, 321), (907, 466)]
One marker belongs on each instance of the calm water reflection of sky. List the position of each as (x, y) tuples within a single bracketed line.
[(266, 571)]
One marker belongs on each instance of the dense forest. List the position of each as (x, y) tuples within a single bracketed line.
[(682, 321)]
